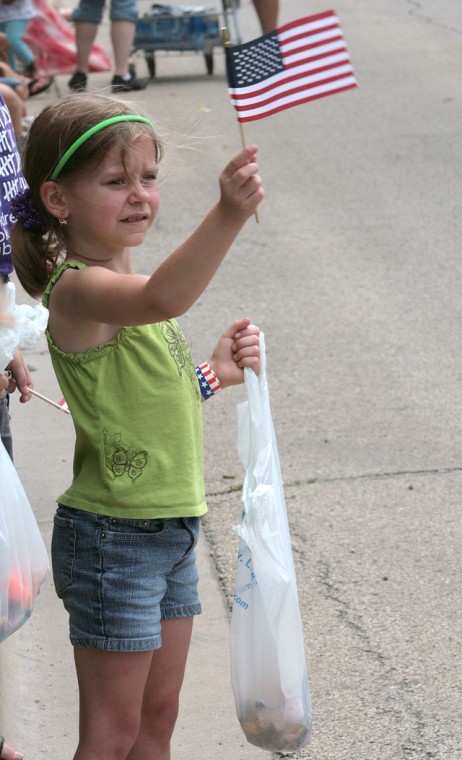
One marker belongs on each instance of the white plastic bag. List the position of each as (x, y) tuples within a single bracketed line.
[(268, 668), (23, 557)]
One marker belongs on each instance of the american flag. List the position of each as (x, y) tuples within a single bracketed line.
[(300, 61), (62, 403)]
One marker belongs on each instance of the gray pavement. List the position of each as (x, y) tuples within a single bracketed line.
[(38, 681), (354, 273)]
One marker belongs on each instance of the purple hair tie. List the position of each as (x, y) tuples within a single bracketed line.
[(23, 207)]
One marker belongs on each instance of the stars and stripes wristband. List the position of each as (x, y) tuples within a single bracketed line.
[(209, 383)]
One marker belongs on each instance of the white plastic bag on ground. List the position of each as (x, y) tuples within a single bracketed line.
[(268, 667)]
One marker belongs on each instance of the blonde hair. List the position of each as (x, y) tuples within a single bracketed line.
[(56, 128)]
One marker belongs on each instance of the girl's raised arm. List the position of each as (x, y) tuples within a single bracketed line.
[(187, 271), (102, 295)]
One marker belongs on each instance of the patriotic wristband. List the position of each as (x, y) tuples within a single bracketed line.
[(209, 383)]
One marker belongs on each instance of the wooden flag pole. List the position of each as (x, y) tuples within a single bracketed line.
[(227, 44), (48, 400)]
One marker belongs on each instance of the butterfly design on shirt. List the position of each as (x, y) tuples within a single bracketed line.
[(126, 461), (123, 460), (177, 345)]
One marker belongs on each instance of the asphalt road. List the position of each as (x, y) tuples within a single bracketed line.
[(354, 273)]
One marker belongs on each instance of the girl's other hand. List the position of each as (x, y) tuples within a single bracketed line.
[(20, 377), (238, 347), (241, 185)]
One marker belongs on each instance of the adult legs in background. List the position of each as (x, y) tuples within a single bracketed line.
[(87, 17), (129, 700), (267, 12), (122, 36), (85, 35)]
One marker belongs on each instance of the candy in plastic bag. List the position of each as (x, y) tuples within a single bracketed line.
[(268, 667), (23, 557)]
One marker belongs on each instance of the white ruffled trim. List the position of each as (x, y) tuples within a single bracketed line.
[(29, 324)]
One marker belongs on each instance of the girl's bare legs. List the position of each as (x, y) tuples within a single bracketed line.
[(111, 687), (162, 692), (129, 700)]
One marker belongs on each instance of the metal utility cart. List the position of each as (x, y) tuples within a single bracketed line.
[(182, 28)]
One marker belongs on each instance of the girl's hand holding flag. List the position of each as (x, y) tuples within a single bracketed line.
[(241, 185)]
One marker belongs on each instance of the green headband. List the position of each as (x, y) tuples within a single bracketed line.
[(86, 135)]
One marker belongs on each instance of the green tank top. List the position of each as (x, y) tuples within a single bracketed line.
[(135, 404)]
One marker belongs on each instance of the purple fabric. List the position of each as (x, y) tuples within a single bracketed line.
[(11, 182)]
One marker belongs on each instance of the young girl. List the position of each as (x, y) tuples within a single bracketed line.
[(126, 528)]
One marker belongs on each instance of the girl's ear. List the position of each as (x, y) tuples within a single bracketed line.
[(53, 200)]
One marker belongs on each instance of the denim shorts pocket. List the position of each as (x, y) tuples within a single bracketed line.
[(63, 552), (192, 525), (127, 529)]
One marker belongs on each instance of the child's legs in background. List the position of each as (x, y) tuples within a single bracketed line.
[(17, 48), (129, 700)]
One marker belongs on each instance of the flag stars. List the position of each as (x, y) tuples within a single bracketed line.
[(253, 64), (208, 381)]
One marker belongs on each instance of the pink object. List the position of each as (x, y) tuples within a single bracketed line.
[(63, 404), (52, 40)]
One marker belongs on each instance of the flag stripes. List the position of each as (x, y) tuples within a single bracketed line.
[(301, 61), (62, 403)]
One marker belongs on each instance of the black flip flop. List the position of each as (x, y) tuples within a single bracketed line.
[(37, 90)]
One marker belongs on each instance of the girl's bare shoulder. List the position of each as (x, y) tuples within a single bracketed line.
[(77, 321)]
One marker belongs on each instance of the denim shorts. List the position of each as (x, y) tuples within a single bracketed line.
[(91, 11), (119, 578)]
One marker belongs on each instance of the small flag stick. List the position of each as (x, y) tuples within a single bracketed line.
[(227, 43), (48, 400)]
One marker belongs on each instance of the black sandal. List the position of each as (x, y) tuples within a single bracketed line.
[(35, 90)]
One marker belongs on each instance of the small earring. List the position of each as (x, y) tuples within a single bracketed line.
[(62, 219)]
